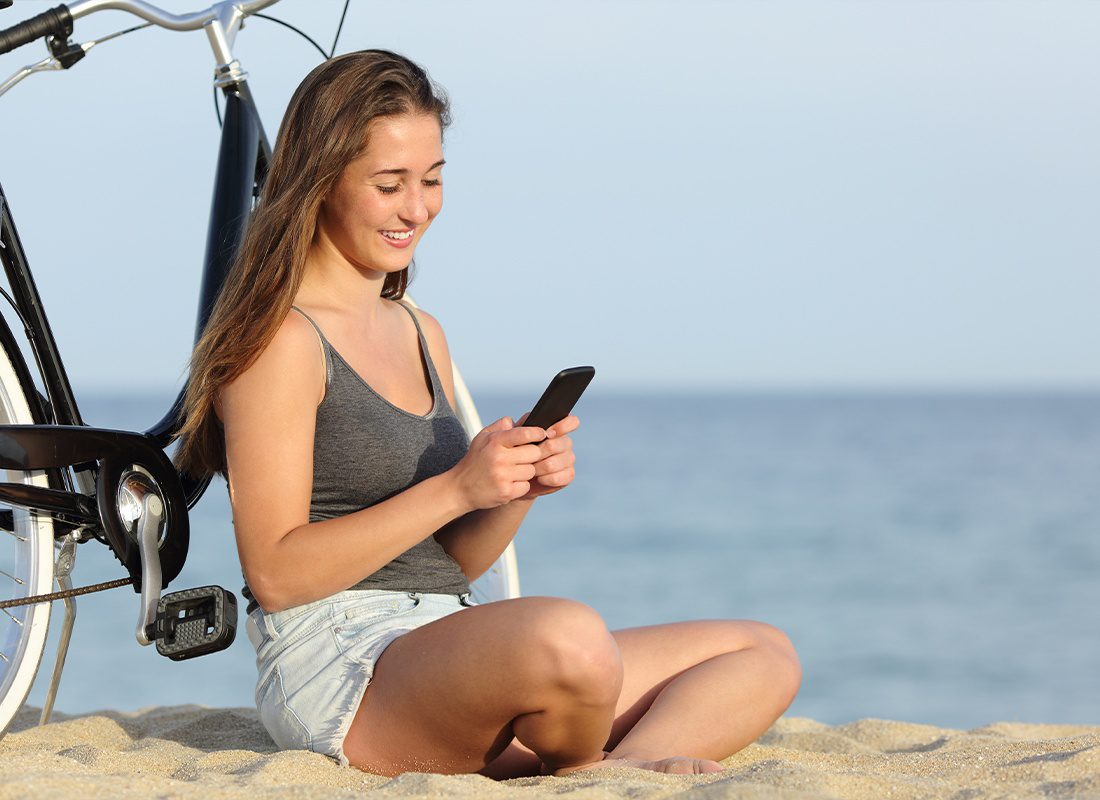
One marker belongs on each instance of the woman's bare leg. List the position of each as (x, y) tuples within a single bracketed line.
[(450, 696), (702, 690), (498, 685)]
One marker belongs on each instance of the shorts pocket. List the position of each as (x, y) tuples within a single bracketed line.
[(353, 625)]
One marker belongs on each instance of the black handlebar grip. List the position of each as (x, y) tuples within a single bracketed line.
[(54, 22)]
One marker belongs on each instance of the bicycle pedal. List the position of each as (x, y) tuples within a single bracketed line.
[(194, 622)]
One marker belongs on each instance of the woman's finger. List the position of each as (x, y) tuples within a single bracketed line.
[(551, 447), (560, 444), (502, 424), (518, 436), (523, 472), (565, 425), (525, 454), (557, 463), (558, 479)]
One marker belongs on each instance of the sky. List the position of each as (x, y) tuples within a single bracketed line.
[(690, 196)]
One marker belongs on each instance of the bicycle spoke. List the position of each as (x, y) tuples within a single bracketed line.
[(14, 618), (17, 580)]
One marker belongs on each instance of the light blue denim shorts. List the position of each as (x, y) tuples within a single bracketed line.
[(316, 660)]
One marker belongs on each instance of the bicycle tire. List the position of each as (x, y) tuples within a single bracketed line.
[(27, 555)]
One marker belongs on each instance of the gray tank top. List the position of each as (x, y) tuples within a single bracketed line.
[(366, 450)]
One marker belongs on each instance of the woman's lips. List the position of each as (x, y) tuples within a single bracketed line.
[(398, 243)]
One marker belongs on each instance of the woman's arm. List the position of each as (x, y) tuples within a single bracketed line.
[(269, 413), (476, 539)]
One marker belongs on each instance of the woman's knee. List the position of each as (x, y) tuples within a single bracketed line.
[(788, 668), (575, 650)]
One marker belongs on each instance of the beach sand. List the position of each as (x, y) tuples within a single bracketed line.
[(197, 752)]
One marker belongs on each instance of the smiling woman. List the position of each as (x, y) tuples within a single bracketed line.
[(362, 512)]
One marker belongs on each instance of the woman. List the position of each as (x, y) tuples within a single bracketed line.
[(362, 512)]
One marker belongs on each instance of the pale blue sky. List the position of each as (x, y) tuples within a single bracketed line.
[(719, 195)]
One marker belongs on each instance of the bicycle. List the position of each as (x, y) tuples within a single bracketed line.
[(67, 483)]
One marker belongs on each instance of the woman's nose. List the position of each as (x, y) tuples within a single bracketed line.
[(415, 210)]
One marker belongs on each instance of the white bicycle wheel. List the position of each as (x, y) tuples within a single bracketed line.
[(26, 564)]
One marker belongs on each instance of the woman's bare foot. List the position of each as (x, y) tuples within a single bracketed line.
[(677, 765)]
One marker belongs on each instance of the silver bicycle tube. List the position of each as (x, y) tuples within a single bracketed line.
[(227, 11)]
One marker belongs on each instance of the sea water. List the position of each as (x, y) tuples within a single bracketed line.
[(934, 558)]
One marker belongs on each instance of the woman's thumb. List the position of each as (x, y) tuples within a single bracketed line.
[(502, 424)]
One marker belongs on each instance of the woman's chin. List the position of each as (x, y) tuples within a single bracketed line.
[(386, 266)]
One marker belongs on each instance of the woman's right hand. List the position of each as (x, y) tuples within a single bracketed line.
[(499, 465)]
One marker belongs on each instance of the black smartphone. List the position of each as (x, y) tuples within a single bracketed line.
[(560, 396)]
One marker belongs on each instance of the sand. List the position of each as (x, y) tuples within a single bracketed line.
[(197, 752)]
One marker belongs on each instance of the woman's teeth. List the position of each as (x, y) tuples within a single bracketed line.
[(396, 235)]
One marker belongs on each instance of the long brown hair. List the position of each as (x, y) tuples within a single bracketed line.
[(324, 129)]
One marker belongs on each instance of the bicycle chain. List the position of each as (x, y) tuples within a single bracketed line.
[(44, 598)]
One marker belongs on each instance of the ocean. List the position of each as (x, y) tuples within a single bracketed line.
[(935, 558)]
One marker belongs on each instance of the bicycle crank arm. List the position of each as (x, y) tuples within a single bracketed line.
[(149, 524), (184, 624)]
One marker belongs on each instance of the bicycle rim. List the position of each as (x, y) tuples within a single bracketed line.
[(27, 560)]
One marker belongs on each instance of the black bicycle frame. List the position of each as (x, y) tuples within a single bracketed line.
[(242, 165), (243, 157)]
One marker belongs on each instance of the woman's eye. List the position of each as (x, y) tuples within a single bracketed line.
[(433, 182), (388, 189)]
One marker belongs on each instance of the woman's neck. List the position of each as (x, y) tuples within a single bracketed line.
[(332, 281)]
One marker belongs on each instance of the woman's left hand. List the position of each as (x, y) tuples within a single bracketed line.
[(554, 471)]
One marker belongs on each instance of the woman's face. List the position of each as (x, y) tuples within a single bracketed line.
[(388, 196)]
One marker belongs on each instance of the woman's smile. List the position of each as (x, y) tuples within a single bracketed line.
[(400, 239)]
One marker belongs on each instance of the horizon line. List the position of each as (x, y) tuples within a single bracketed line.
[(868, 389)]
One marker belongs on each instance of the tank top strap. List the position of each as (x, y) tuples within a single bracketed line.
[(325, 347), (437, 385)]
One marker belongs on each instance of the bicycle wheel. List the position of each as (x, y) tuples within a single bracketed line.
[(26, 565)]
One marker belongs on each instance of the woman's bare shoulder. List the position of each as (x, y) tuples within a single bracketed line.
[(290, 365)]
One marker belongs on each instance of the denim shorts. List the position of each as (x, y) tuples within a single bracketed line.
[(316, 660)]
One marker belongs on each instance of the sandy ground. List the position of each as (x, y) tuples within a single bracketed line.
[(195, 752)]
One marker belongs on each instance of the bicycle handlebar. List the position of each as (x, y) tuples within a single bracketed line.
[(164, 19), (54, 22), (59, 20)]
